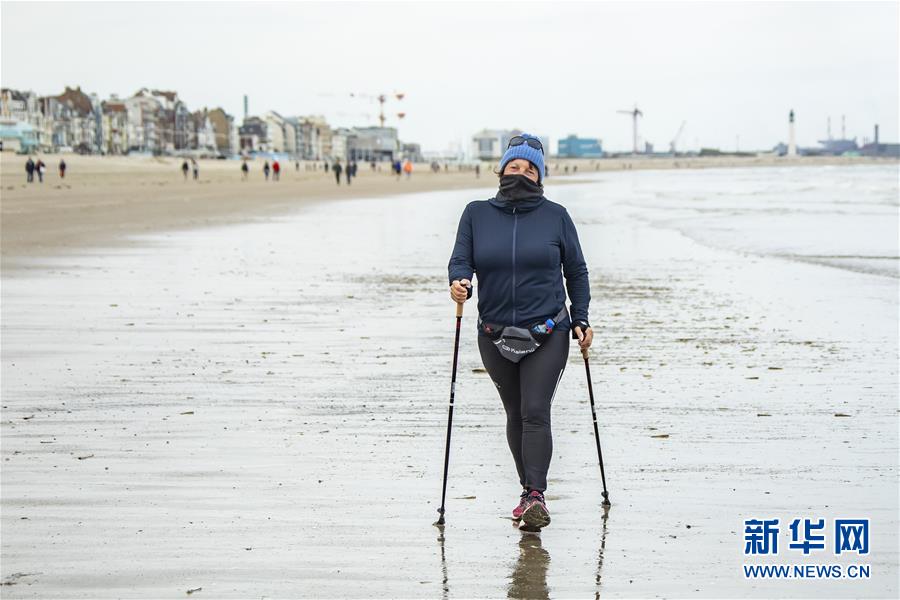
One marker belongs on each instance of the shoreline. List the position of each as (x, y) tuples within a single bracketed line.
[(104, 199)]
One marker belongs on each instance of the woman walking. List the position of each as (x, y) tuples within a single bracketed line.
[(520, 245)]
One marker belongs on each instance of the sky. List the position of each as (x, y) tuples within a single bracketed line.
[(730, 71)]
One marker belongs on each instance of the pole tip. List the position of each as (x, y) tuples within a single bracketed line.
[(606, 501)]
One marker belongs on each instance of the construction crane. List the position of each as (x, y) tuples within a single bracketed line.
[(381, 99), (634, 115), (675, 139)]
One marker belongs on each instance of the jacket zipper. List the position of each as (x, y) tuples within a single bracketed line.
[(515, 226)]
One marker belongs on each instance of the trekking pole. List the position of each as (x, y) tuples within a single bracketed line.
[(459, 313), (587, 370)]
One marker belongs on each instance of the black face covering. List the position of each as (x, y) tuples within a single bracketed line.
[(519, 187)]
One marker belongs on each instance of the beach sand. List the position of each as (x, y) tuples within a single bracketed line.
[(103, 199), (257, 407)]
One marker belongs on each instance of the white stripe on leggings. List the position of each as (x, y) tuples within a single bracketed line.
[(557, 385)]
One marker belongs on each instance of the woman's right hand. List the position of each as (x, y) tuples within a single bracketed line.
[(459, 290)]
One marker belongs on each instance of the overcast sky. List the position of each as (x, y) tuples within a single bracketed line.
[(731, 70)]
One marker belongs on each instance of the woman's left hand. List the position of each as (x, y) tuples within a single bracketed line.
[(584, 337)]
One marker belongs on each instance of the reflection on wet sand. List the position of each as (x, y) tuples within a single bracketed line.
[(529, 576), (602, 548), (445, 587)]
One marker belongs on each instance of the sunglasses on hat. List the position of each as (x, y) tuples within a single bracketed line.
[(518, 140)]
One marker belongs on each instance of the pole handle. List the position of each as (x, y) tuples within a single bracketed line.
[(459, 309)]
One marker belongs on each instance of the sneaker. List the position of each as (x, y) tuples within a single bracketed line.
[(523, 501), (535, 513)]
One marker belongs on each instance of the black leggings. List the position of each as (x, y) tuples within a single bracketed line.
[(527, 389)]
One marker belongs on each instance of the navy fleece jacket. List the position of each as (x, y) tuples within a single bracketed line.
[(516, 249)]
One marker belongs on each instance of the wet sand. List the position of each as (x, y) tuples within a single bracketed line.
[(259, 409)]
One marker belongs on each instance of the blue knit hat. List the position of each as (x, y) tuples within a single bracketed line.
[(534, 155)]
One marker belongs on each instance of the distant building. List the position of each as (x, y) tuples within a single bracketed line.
[(203, 135), (17, 136), (27, 107), (373, 144), (877, 149), (143, 117), (75, 123), (172, 120), (275, 125), (313, 137), (114, 127), (341, 139), (291, 130), (253, 135), (317, 138), (838, 147), (16, 105), (490, 144), (413, 152), (223, 127), (576, 147), (325, 137), (309, 145)]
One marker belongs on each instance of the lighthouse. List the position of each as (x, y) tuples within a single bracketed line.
[(792, 143)]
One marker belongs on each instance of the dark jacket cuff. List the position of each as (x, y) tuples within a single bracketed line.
[(579, 323)]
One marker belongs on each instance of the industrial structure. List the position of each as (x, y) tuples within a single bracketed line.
[(634, 113)]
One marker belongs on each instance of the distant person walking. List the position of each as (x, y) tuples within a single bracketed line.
[(184, 169), (29, 170), (407, 168), (62, 168), (196, 169), (245, 170), (276, 170), (477, 171), (297, 166), (336, 167), (39, 167), (348, 172), (266, 170), (353, 166)]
